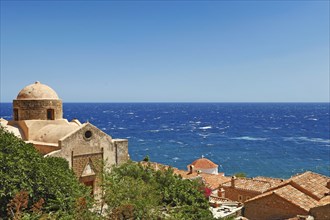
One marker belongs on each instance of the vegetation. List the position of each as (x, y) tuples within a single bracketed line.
[(34, 187), (31, 184), (140, 192), (146, 158), (240, 174)]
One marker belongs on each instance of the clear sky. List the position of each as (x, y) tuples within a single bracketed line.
[(167, 51)]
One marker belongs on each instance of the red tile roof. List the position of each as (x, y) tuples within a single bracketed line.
[(292, 195), (306, 190), (259, 184), (203, 163), (213, 181), (314, 183)]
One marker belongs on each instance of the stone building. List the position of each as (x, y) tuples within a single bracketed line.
[(203, 165), (242, 189), (304, 194), (38, 119)]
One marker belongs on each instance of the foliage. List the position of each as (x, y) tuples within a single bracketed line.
[(240, 174), (140, 192), (32, 183), (146, 158)]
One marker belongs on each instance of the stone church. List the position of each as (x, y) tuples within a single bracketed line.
[(38, 119)]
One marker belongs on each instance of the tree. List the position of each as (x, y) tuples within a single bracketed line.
[(152, 194), (23, 171)]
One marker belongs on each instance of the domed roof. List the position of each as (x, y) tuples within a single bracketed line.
[(203, 163), (37, 91)]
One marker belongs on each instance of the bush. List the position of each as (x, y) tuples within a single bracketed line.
[(151, 194), (28, 180)]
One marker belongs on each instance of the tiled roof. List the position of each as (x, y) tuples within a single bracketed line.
[(272, 181), (214, 181), (211, 180), (292, 195), (306, 190), (250, 184), (203, 163), (314, 183)]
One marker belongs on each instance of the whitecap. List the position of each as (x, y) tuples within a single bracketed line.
[(205, 128), (121, 128), (312, 119), (247, 138), (318, 140), (175, 158), (130, 113), (274, 128), (154, 131)]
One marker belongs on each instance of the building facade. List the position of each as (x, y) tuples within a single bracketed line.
[(38, 119)]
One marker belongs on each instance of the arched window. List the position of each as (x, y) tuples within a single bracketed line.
[(50, 114)]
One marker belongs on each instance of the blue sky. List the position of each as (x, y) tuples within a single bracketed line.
[(167, 51)]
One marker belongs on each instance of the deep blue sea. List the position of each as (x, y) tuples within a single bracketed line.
[(270, 139)]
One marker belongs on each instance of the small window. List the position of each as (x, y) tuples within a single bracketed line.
[(240, 198), (50, 114), (15, 114), (88, 134), (248, 197)]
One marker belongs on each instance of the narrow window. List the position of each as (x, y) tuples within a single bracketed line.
[(15, 114), (50, 114), (240, 198)]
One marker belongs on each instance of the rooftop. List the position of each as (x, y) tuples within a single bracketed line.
[(203, 163), (260, 184), (37, 91)]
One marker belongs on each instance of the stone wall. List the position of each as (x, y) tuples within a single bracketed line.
[(239, 194), (321, 212), (37, 109), (271, 207), (121, 146)]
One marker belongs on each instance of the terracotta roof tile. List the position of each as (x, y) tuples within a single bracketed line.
[(211, 180), (203, 163), (292, 195), (314, 183), (251, 184)]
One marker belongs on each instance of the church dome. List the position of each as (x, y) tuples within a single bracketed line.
[(203, 163), (37, 91)]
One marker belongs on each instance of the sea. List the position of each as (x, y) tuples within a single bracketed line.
[(259, 139)]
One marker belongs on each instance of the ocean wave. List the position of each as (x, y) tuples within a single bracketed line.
[(247, 138), (205, 128), (274, 128), (318, 140), (312, 119), (175, 158), (154, 131)]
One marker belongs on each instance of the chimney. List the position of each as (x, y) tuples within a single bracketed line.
[(191, 169), (233, 181)]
